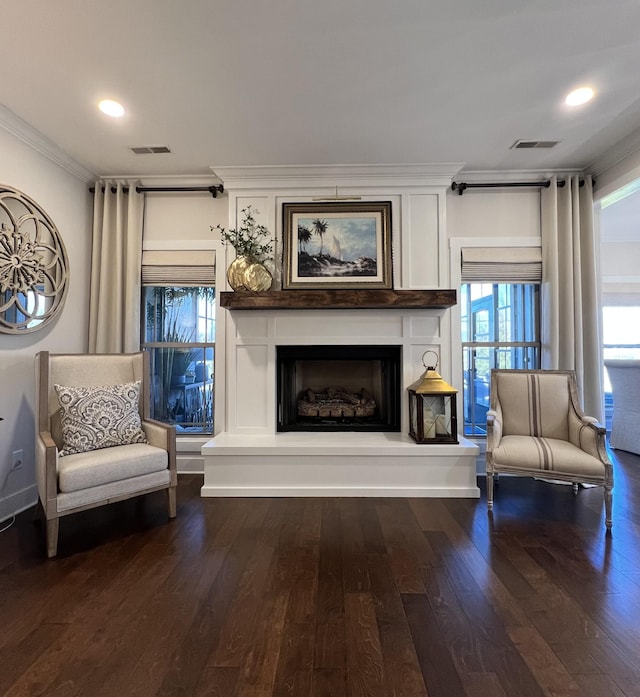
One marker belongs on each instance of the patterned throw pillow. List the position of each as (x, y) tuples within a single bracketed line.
[(99, 417)]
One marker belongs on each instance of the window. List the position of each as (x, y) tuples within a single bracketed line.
[(621, 331), (178, 330), (500, 329)]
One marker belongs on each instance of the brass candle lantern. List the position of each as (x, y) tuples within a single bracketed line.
[(432, 407)]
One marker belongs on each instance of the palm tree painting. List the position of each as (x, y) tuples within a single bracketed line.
[(304, 235), (320, 229), (337, 247), (337, 244)]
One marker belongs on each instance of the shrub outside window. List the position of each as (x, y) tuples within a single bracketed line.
[(178, 330)]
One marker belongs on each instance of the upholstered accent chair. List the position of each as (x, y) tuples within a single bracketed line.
[(95, 443), (624, 376), (536, 428)]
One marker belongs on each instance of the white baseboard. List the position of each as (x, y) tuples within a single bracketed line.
[(189, 459), (189, 465), (17, 502)]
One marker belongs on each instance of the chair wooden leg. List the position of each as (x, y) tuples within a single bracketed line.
[(171, 501), (575, 487), (608, 505), (53, 525), (490, 490)]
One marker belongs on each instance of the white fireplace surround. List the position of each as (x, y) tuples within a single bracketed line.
[(247, 457)]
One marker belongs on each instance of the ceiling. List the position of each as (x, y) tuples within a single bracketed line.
[(295, 82)]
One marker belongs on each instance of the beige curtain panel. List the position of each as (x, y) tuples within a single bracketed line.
[(570, 310), (114, 311)]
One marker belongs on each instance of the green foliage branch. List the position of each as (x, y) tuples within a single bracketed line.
[(250, 239)]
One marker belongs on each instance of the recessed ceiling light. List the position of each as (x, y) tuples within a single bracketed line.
[(111, 108), (580, 96)]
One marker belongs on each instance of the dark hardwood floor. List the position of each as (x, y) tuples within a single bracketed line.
[(330, 597)]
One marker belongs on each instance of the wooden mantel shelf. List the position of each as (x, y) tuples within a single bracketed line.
[(333, 299)]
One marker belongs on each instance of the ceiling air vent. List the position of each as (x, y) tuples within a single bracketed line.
[(149, 149), (530, 144)]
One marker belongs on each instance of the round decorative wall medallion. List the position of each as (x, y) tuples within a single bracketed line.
[(33, 265)]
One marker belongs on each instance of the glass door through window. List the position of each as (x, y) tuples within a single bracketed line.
[(500, 329)]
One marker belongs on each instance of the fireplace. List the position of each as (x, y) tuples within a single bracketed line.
[(263, 446), (339, 388)]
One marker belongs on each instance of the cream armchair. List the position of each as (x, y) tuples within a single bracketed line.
[(95, 443), (536, 428)]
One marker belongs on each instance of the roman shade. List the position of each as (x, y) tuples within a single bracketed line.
[(501, 265), (178, 267)]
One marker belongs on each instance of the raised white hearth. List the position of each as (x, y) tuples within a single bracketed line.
[(337, 464), (248, 456)]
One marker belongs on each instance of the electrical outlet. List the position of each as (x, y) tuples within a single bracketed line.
[(16, 460)]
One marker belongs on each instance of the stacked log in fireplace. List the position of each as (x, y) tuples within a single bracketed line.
[(336, 402)]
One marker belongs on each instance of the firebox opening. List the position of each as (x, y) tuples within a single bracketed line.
[(339, 388)]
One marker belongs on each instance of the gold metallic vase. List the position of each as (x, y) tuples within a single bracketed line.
[(244, 273)]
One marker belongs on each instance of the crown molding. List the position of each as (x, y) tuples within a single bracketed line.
[(164, 179), (620, 151), (313, 176), (38, 142)]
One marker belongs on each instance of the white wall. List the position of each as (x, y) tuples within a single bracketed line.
[(619, 223), (67, 201), (485, 213), (620, 250), (184, 217)]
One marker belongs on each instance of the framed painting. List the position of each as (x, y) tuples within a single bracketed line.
[(337, 245)]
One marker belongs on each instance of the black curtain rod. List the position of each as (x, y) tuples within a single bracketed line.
[(545, 184), (213, 190)]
